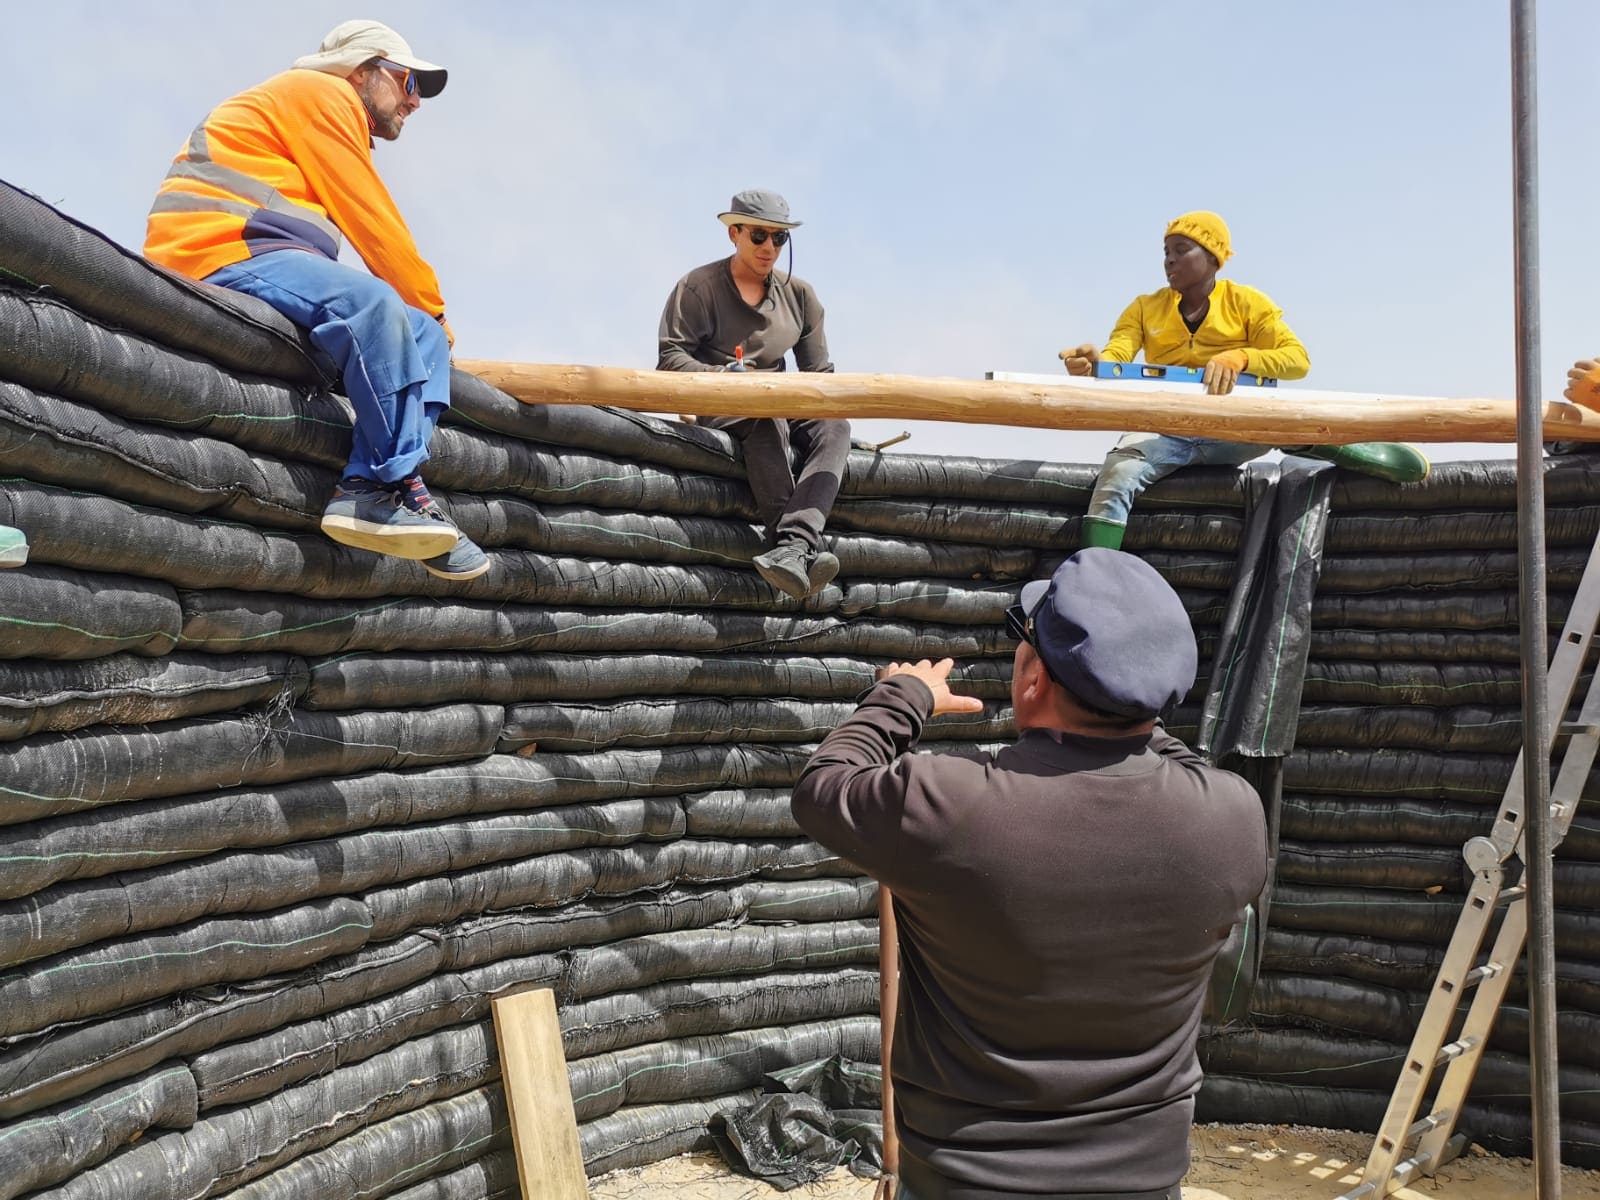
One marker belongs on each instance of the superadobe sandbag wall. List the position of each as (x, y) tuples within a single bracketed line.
[(279, 819)]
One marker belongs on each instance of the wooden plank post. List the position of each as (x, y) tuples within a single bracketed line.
[(533, 1067)]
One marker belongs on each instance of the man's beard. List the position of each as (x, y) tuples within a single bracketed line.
[(386, 127)]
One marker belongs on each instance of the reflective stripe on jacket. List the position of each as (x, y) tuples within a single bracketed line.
[(1240, 318), (285, 165)]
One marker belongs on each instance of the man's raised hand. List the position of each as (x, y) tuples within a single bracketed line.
[(1080, 360), (937, 676)]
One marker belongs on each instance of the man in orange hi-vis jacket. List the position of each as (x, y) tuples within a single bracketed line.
[(259, 200)]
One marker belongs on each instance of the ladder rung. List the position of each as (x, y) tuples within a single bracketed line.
[(1478, 974), (1432, 1121), (1579, 728), (1515, 892), (1454, 1050)]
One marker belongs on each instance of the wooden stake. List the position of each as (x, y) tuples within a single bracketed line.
[(1266, 418), (888, 1009), (533, 1067)]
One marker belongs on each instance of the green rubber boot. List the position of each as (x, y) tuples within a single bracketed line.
[(1097, 531), (13, 547), (1394, 461)]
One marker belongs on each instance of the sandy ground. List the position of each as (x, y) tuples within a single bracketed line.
[(1231, 1162)]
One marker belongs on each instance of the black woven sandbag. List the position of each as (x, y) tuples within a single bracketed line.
[(57, 1145), (67, 1062), (980, 604), (553, 880), (1423, 683), (1367, 864), (691, 720), (1415, 645), (1488, 484), (1430, 611), (453, 1146), (634, 963), (1494, 530), (1485, 569), (228, 1148), (1464, 778), (508, 678), (690, 1007), (1466, 728), (647, 1133), (42, 248), (57, 774), (62, 442), (104, 534), (746, 812), (49, 347), (692, 1067), (1411, 966), (246, 1070), (81, 911), (46, 612), (226, 622), (1378, 818), (1228, 1099), (206, 952), (628, 435), (652, 537), (50, 697), (1411, 916)]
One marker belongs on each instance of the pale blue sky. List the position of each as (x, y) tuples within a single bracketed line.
[(982, 183)]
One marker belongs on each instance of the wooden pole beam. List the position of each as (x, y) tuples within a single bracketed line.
[(1273, 419)]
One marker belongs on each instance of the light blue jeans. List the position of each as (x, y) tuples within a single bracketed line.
[(395, 359), (1142, 458)]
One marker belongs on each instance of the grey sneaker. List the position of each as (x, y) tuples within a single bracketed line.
[(370, 516), (13, 546), (464, 560), (820, 570), (784, 567)]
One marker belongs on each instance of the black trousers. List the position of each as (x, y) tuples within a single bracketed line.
[(793, 507), (918, 1182)]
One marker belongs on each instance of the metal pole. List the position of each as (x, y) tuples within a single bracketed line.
[(1541, 958)]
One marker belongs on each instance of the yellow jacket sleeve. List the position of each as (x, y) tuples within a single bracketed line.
[(331, 145), (1127, 336), (1273, 351)]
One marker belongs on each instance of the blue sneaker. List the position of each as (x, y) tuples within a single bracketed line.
[(465, 559), (370, 516), (13, 546)]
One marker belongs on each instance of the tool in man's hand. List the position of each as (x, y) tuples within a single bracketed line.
[(878, 447)]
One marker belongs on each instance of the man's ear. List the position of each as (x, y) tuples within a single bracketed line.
[(733, 234)]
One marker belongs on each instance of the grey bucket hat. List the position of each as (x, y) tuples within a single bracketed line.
[(758, 207)]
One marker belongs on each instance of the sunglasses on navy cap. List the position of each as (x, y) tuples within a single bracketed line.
[(408, 77), (1020, 625), (760, 233)]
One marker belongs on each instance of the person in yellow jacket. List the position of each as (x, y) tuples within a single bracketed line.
[(259, 201), (1198, 320)]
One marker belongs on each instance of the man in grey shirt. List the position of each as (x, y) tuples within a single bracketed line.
[(738, 314)]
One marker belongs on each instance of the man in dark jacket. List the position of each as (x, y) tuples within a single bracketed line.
[(1059, 902), (739, 313)]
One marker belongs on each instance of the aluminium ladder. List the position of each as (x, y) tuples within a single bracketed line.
[(1487, 858)]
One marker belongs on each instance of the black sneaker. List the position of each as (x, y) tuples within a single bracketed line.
[(784, 567)]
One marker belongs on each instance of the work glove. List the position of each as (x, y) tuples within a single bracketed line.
[(1080, 360), (1583, 383), (1222, 372)]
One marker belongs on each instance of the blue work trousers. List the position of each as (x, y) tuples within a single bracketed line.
[(395, 359), (1142, 458)]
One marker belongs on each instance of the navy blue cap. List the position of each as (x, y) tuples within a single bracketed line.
[(1113, 633)]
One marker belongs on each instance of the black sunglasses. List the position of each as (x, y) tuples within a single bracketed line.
[(759, 234), (1019, 624)]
